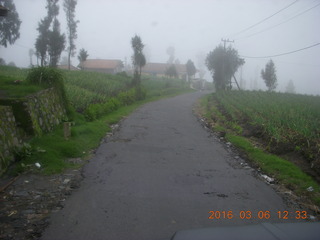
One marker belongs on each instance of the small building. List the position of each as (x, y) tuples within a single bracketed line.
[(159, 69), (102, 65)]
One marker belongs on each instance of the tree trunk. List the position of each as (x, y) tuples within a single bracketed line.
[(69, 56)]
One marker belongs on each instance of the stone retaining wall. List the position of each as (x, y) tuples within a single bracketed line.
[(45, 110), (31, 116), (9, 136)]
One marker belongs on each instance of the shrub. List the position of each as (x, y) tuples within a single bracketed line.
[(22, 152), (95, 111), (111, 105), (45, 76), (49, 77), (128, 97)]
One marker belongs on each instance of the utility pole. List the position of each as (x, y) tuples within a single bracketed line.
[(225, 41), (224, 47)]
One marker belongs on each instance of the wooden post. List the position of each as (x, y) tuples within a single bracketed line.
[(66, 130)]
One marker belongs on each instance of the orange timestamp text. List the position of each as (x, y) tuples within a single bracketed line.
[(257, 215)]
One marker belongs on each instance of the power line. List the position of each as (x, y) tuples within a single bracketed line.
[(281, 54), (280, 23), (246, 29)]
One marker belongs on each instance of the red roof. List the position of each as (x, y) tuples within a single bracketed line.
[(100, 64), (160, 68)]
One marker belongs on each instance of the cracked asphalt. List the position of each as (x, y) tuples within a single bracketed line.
[(159, 173)]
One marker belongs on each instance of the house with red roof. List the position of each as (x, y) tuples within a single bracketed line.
[(102, 65)]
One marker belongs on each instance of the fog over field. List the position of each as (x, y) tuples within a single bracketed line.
[(193, 28)]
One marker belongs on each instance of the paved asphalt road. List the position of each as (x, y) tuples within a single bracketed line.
[(161, 172)]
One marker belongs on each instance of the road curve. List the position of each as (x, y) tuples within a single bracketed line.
[(160, 173)]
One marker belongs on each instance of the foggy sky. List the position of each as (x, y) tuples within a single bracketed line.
[(193, 28)]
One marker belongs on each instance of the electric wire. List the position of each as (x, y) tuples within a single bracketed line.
[(280, 23), (282, 54), (246, 29)]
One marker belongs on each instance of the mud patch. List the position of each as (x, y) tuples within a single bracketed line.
[(26, 204)]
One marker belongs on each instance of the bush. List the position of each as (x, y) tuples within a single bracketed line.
[(49, 77), (22, 152), (111, 105), (95, 111), (127, 98), (45, 76)]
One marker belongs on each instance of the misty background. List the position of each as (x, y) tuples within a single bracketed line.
[(193, 28)]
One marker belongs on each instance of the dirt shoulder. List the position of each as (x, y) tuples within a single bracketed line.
[(28, 200)]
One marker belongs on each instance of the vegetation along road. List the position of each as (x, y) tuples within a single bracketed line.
[(159, 173)]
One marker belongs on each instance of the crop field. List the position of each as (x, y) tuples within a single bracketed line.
[(84, 88), (285, 117), (286, 122)]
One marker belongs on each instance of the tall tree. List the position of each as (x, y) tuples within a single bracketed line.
[(290, 87), (50, 41), (10, 24), (56, 43), (69, 8), (191, 69), (269, 75), (138, 58), (223, 64), (83, 55), (42, 40), (171, 71), (2, 62)]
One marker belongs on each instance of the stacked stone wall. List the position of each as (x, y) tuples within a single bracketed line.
[(9, 136), (30, 116)]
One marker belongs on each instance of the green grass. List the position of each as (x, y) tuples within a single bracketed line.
[(9, 88), (284, 171), (16, 73), (84, 136)]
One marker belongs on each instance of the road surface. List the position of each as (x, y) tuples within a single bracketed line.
[(160, 173)]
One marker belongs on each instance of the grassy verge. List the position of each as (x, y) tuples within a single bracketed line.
[(14, 88), (285, 172), (51, 151)]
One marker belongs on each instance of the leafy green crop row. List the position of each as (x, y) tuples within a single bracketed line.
[(285, 117), (84, 89)]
